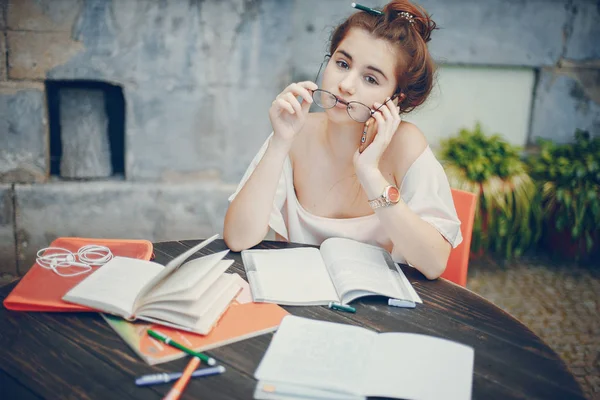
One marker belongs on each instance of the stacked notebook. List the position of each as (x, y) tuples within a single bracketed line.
[(243, 319)]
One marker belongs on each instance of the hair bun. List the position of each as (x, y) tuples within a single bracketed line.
[(413, 14)]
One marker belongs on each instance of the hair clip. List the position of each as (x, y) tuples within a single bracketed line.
[(367, 9), (407, 16)]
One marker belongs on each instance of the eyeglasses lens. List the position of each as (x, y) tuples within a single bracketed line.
[(324, 99), (359, 112)]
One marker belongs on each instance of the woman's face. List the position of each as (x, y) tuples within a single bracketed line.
[(363, 68)]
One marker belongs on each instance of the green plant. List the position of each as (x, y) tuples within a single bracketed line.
[(568, 176), (491, 168)]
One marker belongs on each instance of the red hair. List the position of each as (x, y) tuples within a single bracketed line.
[(415, 67)]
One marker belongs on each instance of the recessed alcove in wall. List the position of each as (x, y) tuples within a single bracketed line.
[(87, 129)]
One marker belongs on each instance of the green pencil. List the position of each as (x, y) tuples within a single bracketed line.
[(164, 338), (367, 9)]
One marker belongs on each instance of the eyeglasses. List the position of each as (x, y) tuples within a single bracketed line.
[(358, 111)]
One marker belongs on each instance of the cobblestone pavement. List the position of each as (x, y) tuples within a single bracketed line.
[(560, 303)]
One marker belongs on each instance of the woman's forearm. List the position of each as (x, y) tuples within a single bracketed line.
[(247, 218), (418, 241)]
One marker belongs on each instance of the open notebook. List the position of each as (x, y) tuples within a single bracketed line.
[(340, 271), (311, 359), (191, 296)]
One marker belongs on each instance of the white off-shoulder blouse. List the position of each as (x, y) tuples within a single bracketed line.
[(424, 189)]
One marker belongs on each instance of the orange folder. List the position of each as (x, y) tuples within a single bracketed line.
[(243, 319), (42, 290)]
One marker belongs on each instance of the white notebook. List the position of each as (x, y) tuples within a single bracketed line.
[(340, 271), (311, 359), (191, 296)]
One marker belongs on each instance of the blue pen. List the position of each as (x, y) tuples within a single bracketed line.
[(154, 379)]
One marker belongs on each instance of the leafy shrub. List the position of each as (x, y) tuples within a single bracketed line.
[(492, 168), (568, 176)]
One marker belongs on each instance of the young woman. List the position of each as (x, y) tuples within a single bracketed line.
[(355, 170)]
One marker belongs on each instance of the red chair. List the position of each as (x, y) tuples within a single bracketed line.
[(458, 262)]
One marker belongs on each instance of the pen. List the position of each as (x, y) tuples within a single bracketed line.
[(164, 338), (182, 382), (401, 303), (154, 379), (341, 307)]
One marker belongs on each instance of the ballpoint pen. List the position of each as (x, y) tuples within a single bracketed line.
[(165, 339), (165, 377)]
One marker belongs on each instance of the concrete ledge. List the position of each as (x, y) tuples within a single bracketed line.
[(155, 212)]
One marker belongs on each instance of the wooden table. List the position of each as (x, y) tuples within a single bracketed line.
[(76, 355)]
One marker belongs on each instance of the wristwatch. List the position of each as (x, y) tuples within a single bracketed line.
[(389, 197)]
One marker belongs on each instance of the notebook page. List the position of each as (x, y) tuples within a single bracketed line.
[(116, 283), (174, 264), (184, 303), (361, 268), (317, 354), (289, 276), (188, 276), (199, 315), (413, 366)]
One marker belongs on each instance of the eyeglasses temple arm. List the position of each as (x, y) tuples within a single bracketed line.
[(321, 66)]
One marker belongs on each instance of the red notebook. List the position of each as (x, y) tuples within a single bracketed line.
[(42, 290)]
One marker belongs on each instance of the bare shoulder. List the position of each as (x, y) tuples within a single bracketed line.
[(406, 146)]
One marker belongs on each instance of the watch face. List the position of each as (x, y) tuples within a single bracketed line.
[(393, 194)]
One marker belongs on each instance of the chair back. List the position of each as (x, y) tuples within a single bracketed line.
[(458, 262)]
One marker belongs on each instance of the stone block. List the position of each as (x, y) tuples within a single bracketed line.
[(498, 98), (8, 261), (243, 120), (566, 100), (32, 54), (202, 53), (23, 132), (518, 33), (171, 137), (313, 22), (3, 6), (182, 44), (197, 132), (43, 16), (584, 31), (84, 134), (112, 209), (2, 56)]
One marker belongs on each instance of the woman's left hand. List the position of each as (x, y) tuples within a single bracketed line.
[(387, 121)]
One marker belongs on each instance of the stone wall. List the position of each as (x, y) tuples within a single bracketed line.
[(197, 78)]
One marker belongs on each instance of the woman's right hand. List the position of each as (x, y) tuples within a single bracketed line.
[(287, 115)]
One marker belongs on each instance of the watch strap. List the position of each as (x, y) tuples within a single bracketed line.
[(378, 202)]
